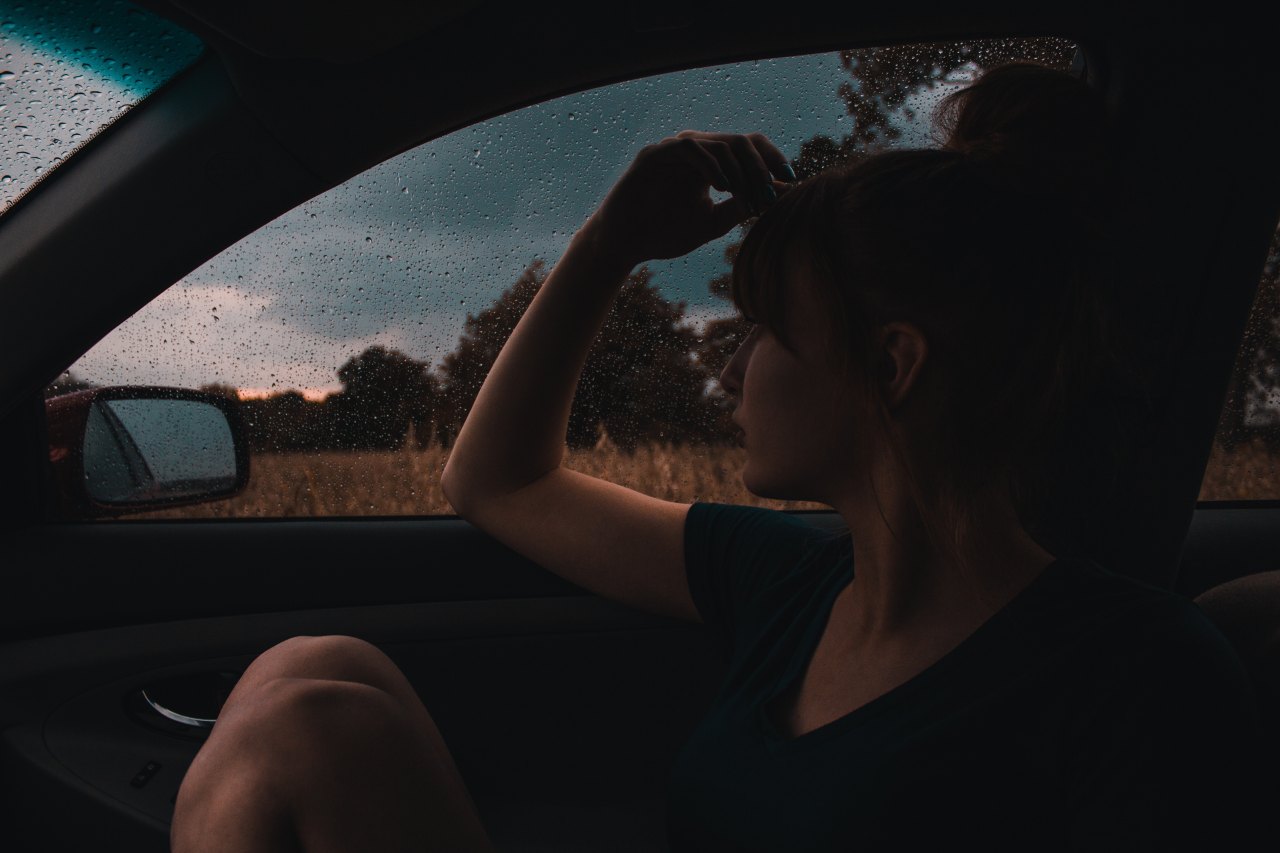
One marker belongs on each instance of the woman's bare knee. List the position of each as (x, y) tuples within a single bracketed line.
[(333, 657)]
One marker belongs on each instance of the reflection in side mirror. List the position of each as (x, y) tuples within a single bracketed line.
[(124, 449), (148, 450)]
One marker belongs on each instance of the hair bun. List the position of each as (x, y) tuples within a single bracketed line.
[(1045, 126)]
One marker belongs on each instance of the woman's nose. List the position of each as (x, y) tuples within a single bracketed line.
[(727, 384), (730, 381)]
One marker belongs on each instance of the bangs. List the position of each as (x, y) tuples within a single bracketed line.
[(776, 255)]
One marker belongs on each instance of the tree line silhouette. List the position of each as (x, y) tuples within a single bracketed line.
[(643, 382), (647, 374)]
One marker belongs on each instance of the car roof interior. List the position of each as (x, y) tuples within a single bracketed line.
[(282, 106)]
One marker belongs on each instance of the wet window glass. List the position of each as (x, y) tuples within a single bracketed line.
[(68, 68), (1245, 459), (355, 330)]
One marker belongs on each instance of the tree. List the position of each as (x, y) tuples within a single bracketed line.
[(222, 389), (287, 422), (886, 77), (644, 387), (383, 391), (638, 380), (483, 335)]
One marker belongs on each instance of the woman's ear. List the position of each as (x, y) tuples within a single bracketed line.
[(888, 368), (904, 353)]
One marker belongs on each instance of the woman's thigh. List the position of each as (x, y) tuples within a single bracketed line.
[(341, 736)]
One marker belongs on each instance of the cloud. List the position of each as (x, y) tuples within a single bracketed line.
[(195, 334), (700, 315)]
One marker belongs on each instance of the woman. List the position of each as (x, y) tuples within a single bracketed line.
[(929, 325)]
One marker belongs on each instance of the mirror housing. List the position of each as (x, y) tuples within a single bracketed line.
[(127, 449)]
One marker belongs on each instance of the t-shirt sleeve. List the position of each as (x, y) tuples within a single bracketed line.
[(732, 553), (1168, 759)]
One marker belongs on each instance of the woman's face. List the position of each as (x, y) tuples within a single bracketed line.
[(800, 427)]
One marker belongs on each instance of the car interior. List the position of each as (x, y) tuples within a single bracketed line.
[(564, 710)]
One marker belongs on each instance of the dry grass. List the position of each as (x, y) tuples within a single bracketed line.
[(335, 483), (1251, 472), (338, 483)]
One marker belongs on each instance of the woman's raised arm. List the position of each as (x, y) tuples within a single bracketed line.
[(504, 472)]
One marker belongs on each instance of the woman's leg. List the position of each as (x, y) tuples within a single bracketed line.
[(323, 746)]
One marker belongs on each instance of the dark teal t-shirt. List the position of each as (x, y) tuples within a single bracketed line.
[(1093, 712)]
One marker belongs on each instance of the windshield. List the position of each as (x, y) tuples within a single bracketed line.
[(68, 68)]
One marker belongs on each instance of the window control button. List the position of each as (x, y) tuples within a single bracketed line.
[(144, 775)]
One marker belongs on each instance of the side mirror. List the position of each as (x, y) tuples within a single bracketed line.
[(128, 449)]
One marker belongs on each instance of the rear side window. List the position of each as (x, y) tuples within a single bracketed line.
[(69, 68), (1246, 449), (354, 331)]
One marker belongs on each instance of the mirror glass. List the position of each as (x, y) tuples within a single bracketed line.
[(144, 450)]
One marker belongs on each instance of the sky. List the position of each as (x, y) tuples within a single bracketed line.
[(400, 254)]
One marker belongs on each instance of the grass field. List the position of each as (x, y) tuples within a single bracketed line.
[(1251, 472), (407, 482)]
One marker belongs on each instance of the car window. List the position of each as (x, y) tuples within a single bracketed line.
[(68, 68), (1246, 448), (355, 330)]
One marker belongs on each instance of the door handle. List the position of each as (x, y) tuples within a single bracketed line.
[(188, 702), (177, 717)]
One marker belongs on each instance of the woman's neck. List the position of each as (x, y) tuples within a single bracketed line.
[(902, 597)]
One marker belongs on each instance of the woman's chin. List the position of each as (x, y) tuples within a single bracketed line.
[(753, 485), (761, 488)]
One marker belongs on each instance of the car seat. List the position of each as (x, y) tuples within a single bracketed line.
[(1247, 611)]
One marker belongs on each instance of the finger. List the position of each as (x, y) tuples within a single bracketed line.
[(715, 161), (748, 191), (754, 170), (744, 197), (725, 216), (704, 163), (774, 159), (754, 167)]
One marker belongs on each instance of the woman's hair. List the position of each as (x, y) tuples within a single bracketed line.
[(996, 247)]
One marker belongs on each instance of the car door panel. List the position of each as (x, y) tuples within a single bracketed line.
[(564, 710), (568, 702)]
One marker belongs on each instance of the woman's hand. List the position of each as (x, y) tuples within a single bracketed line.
[(661, 207)]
